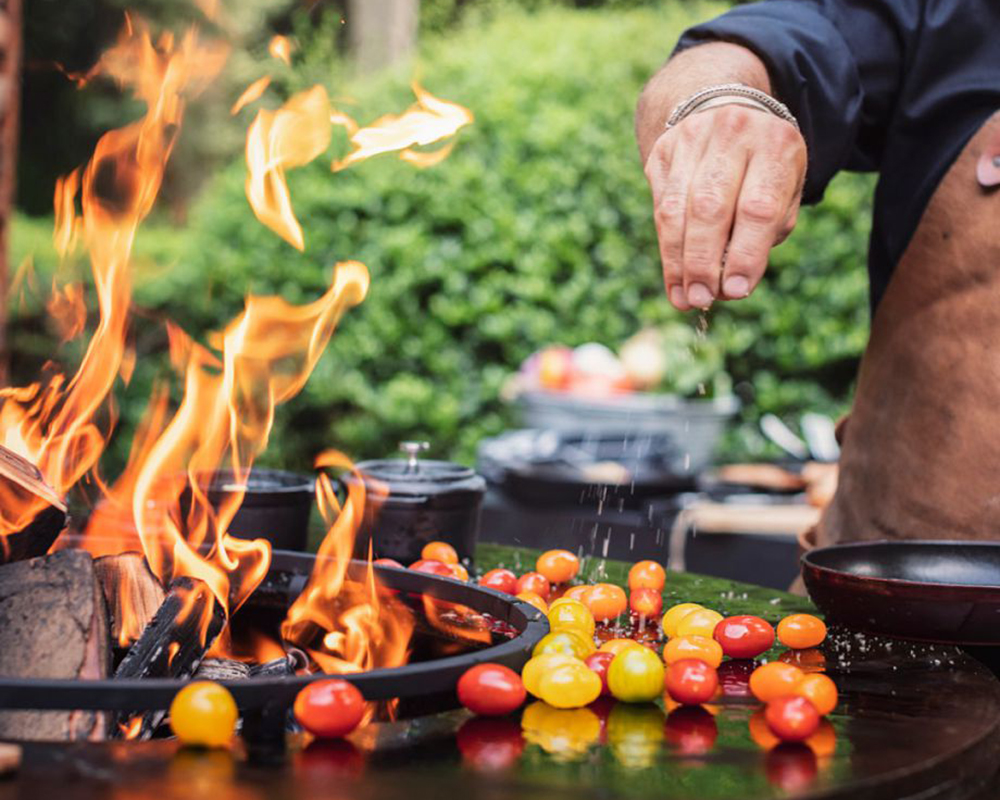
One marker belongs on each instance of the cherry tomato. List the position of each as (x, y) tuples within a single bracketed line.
[(432, 568), (691, 682), (503, 580), (820, 691), (565, 734), (570, 686), (599, 663), (646, 602), (792, 719), (532, 672), (691, 730), (744, 636), (700, 648), (791, 767), (636, 675), (615, 646), (388, 562), (734, 677), (459, 572), (559, 566), (801, 631), (329, 708), (565, 614), (674, 615), (635, 734), (204, 714), (535, 600), (647, 575), (490, 745), (565, 641), (606, 601), (577, 593), (491, 690), (534, 582), (773, 680), (439, 551), (700, 622), (810, 660)]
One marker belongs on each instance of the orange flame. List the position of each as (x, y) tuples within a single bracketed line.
[(56, 426), (251, 93), (279, 140), (280, 47), (346, 625), (68, 309), (428, 120)]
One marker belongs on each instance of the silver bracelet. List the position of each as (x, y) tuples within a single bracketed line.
[(738, 93)]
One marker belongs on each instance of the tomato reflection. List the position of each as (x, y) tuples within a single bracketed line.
[(734, 677), (635, 734), (691, 731), (330, 758), (811, 660), (791, 767), (566, 735), (490, 744)]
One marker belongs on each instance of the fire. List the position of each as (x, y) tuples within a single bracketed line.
[(346, 625), (428, 120), (280, 47), (250, 94)]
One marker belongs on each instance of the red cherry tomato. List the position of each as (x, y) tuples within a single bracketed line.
[(503, 580), (744, 636), (734, 677), (388, 562), (330, 708), (691, 730), (646, 602), (599, 663), (792, 719), (691, 682), (490, 745), (534, 582), (491, 690), (432, 567), (791, 767)]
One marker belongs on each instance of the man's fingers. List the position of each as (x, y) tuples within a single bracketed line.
[(711, 204)]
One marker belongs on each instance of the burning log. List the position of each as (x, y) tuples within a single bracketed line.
[(222, 669), (53, 624), (132, 594), (31, 512)]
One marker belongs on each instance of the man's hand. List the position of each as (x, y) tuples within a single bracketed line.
[(726, 188), (726, 181)]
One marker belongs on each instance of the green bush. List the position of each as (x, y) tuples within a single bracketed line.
[(538, 229)]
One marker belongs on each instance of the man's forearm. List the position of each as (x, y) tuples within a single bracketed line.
[(688, 72)]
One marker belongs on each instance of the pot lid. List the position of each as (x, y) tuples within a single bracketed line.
[(416, 476)]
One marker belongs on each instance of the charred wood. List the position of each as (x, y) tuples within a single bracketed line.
[(132, 594)]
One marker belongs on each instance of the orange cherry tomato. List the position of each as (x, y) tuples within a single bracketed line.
[(792, 719), (439, 551), (534, 582), (432, 567), (578, 593), (615, 646), (204, 713), (700, 648), (647, 575), (691, 682), (801, 631), (820, 691), (533, 599), (774, 680), (559, 566), (329, 708), (503, 580), (646, 602), (606, 601), (744, 636), (459, 572), (491, 690)]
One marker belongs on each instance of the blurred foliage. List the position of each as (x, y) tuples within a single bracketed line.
[(537, 230)]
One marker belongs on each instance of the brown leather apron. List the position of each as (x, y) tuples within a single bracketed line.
[(921, 450)]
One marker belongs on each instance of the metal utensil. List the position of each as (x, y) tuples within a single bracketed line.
[(779, 433), (820, 433)]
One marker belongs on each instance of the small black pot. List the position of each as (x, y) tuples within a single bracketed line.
[(276, 507), (426, 501)]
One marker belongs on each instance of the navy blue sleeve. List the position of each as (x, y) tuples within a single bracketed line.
[(838, 66)]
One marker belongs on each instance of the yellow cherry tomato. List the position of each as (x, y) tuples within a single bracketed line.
[(531, 674), (636, 675), (674, 615), (635, 734), (698, 647), (570, 686), (565, 614), (617, 645), (700, 622), (569, 642), (203, 713), (566, 735), (533, 599)]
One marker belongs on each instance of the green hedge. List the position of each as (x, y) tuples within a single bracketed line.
[(536, 230)]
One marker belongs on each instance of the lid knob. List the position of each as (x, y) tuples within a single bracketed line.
[(413, 451)]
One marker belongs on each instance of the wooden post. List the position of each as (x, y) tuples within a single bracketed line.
[(10, 84), (381, 32)]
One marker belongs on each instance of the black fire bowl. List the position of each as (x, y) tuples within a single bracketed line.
[(286, 579)]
